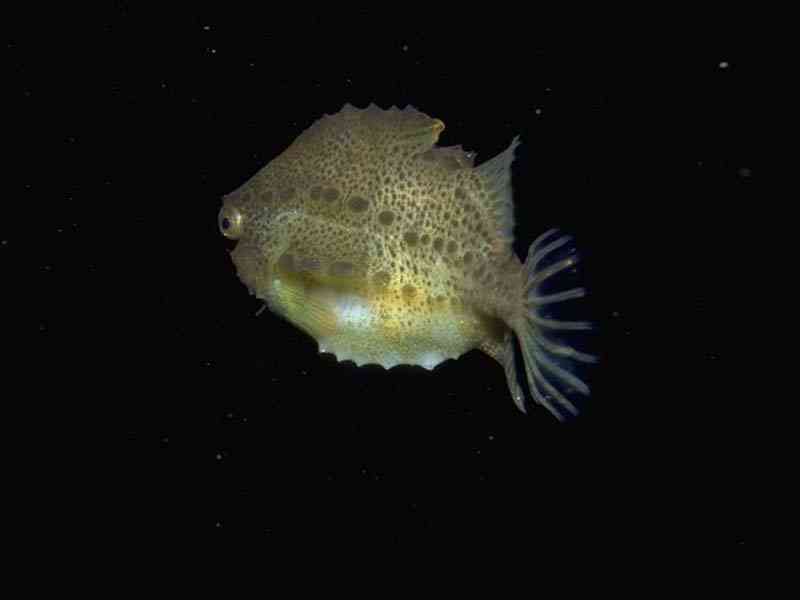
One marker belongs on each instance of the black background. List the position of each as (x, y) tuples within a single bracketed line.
[(234, 426)]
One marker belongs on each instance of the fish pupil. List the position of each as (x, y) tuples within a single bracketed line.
[(226, 223)]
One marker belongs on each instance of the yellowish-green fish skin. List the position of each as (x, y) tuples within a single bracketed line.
[(388, 249)]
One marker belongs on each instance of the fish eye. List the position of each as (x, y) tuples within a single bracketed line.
[(230, 222)]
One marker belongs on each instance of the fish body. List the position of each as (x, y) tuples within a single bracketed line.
[(388, 249)]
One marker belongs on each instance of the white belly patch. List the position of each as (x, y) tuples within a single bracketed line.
[(359, 337)]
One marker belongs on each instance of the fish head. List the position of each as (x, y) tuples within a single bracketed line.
[(249, 216)]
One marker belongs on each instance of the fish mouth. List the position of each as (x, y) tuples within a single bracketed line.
[(230, 245), (252, 267)]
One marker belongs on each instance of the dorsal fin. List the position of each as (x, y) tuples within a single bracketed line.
[(450, 157), (407, 127), (496, 176), (375, 129)]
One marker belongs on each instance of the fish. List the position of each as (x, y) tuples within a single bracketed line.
[(389, 249)]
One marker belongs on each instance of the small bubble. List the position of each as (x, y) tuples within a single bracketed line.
[(219, 455), (745, 172), (538, 111), (724, 64), (405, 47)]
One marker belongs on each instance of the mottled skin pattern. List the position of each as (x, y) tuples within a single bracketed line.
[(384, 247)]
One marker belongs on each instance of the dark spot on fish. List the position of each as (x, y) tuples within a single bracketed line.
[(358, 204), (411, 238), (309, 264), (409, 291), (386, 217), (342, 269), (286, 262)]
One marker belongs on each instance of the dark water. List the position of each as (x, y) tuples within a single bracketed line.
[(235, 426)]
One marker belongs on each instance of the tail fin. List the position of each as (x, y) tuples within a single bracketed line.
[(550, 364)]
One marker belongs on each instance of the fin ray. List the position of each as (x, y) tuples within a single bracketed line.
[(550, 365), (496, 175)]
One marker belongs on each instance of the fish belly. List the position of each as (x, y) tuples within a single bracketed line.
[(369, 330)]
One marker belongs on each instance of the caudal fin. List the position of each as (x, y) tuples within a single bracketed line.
[(550, 363)]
